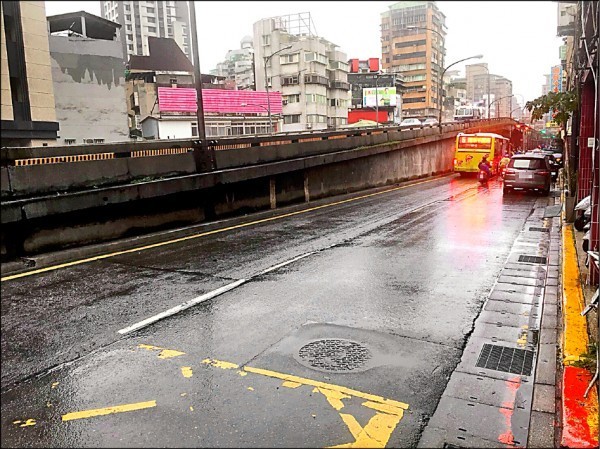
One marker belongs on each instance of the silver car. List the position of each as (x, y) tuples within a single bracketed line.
[(528, 172)]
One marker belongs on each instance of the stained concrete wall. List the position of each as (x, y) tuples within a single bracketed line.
[(89, 89)]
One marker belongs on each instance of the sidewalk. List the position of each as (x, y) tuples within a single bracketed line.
[(520, 382), (578, 413)]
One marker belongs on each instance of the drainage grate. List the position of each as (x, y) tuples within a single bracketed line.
[(533, 259), (540, 229), (508, 360), (334, 355)]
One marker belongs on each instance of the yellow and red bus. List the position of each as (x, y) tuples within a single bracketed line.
[(470, 148)]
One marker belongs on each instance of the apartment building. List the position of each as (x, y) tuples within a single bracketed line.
[(27, 93), (89, 78), (143, 19), (485, 88), (412, 43), (238, 65), (309, 71)]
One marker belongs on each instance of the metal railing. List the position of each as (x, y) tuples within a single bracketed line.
[(22, 156)]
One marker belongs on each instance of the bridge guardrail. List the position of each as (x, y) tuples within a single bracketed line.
[(23, 156)]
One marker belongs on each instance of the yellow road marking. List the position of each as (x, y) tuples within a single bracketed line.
[(26, 423), (108, 410), (203, 234), (326, 386), (186, 371), (378, 430), (376, 433), (164, 353), (575, 332), (333, 397)]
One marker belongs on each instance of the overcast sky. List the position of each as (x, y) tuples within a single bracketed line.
[(518, 38)]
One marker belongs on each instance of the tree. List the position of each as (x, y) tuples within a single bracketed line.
[(561, 104)]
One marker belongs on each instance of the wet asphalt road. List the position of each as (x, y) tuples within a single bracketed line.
[(352, 341)]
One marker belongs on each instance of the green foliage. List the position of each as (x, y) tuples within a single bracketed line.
[(588, 359), (562, 104)]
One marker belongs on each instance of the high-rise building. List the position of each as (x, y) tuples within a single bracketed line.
[(309, 71), (238, 65), (412, 43), (142, 19), (27, 94), (482, 85)]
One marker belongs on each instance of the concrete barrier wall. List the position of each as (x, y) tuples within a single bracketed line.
[(33, 225)]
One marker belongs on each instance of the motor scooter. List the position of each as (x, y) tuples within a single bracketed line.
[(482, 177), (583, 209)]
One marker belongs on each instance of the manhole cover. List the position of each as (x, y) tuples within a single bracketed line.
[(334, 355)]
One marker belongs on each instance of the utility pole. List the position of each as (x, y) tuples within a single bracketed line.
[(201, 148)]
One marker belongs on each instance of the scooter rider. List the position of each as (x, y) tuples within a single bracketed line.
[(485, 166)]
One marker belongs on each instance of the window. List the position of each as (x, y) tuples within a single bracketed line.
[(339, 65), (416, 54), (150, 19), (409, 44), (288, 80), (128, 17), (316, 98), (266, 39), (315, 118), (128, 27), (130, 47), (288, 59), (149, 10), (338, 102), (151, 29), (194, 129), (414, 100), (127, 7), (290, 119), (295, 98)]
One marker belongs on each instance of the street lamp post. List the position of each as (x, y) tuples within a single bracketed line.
[(441, 80), (266, 61)]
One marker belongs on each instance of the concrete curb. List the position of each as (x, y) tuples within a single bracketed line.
[(579, 413)]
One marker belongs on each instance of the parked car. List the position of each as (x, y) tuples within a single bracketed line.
[(411, 122), (430, 121), (528, 172)]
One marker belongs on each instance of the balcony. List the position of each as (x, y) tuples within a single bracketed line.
[(339, 85), (316, 79)]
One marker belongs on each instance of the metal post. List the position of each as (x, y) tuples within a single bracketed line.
[(266, 60), (268, 97), (376, 101), (199, 152)]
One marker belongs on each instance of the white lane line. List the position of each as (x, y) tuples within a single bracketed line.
[(283, 264), (180, 307), (205, 297)]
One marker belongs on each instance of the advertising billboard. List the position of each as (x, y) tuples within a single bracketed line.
[(556, 76), (386, 96)]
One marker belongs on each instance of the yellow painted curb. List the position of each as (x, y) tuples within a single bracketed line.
[(575, 337)]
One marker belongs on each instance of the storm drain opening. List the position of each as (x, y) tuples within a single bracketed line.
[(334, 355), (533, 259), (508, 360), (539, 229)]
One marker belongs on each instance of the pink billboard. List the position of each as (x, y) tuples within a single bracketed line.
[(182, 99)]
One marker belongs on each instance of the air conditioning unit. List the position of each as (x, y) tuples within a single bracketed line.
[(309, 126)]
